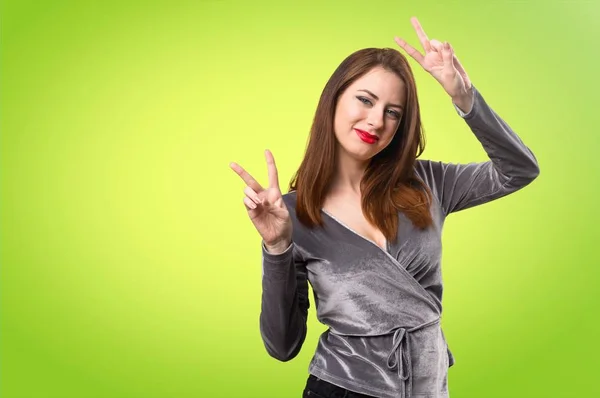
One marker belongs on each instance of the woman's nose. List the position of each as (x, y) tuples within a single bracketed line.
[(375, 120)]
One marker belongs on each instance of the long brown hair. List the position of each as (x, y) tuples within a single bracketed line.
[(389, 184)]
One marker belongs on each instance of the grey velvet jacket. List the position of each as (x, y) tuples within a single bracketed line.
[(383, 308)]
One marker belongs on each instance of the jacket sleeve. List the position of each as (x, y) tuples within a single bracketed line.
[(284, 306), (511, 167)]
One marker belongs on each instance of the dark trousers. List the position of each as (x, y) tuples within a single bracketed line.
[(317, 388)]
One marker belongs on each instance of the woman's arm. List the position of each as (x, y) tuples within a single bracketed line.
[(285, 303), (511, 167)]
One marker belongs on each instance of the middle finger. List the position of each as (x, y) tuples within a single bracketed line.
[(421, 34)]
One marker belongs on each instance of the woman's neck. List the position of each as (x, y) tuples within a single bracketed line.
[(348, 175)]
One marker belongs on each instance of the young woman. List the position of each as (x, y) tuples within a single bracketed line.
[(362, 223)]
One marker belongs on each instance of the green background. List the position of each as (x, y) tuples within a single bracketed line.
[(128, 265)]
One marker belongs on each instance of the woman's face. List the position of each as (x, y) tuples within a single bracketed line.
[(368, 113)]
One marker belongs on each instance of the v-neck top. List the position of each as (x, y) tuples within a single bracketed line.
[(383, 307), (328, 214)]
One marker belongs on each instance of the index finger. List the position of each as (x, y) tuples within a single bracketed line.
[(272, 169), (421, 34), (248, 179), (410, 50)]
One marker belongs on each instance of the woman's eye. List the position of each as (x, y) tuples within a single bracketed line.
[(364, 100), (394, 114)]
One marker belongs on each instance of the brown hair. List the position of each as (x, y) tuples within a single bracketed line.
[(389, 184)]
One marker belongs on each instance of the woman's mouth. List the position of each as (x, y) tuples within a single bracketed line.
[(366, 137)]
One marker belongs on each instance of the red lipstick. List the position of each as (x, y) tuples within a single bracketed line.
[(366, 137)]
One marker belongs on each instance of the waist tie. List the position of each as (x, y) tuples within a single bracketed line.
[(399, 356)]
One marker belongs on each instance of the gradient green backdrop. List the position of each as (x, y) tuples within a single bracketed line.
[(128, 265)]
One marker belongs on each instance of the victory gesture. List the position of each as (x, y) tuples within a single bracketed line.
[(266, 207), (441, 62)]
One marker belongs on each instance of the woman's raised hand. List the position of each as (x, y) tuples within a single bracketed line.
[(441, 62), (266, 208)]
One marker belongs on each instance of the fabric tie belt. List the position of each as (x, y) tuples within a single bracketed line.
[(399, 357)]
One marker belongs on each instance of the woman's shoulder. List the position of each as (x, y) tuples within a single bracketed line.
[(430, 173), (425, 170), (423, 164), (290, 200), (291, 195)]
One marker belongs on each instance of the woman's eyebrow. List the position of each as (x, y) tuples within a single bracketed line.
[(377, 98)]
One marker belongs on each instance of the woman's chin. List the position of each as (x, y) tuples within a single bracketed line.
[(361, 152), (363, 155)]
